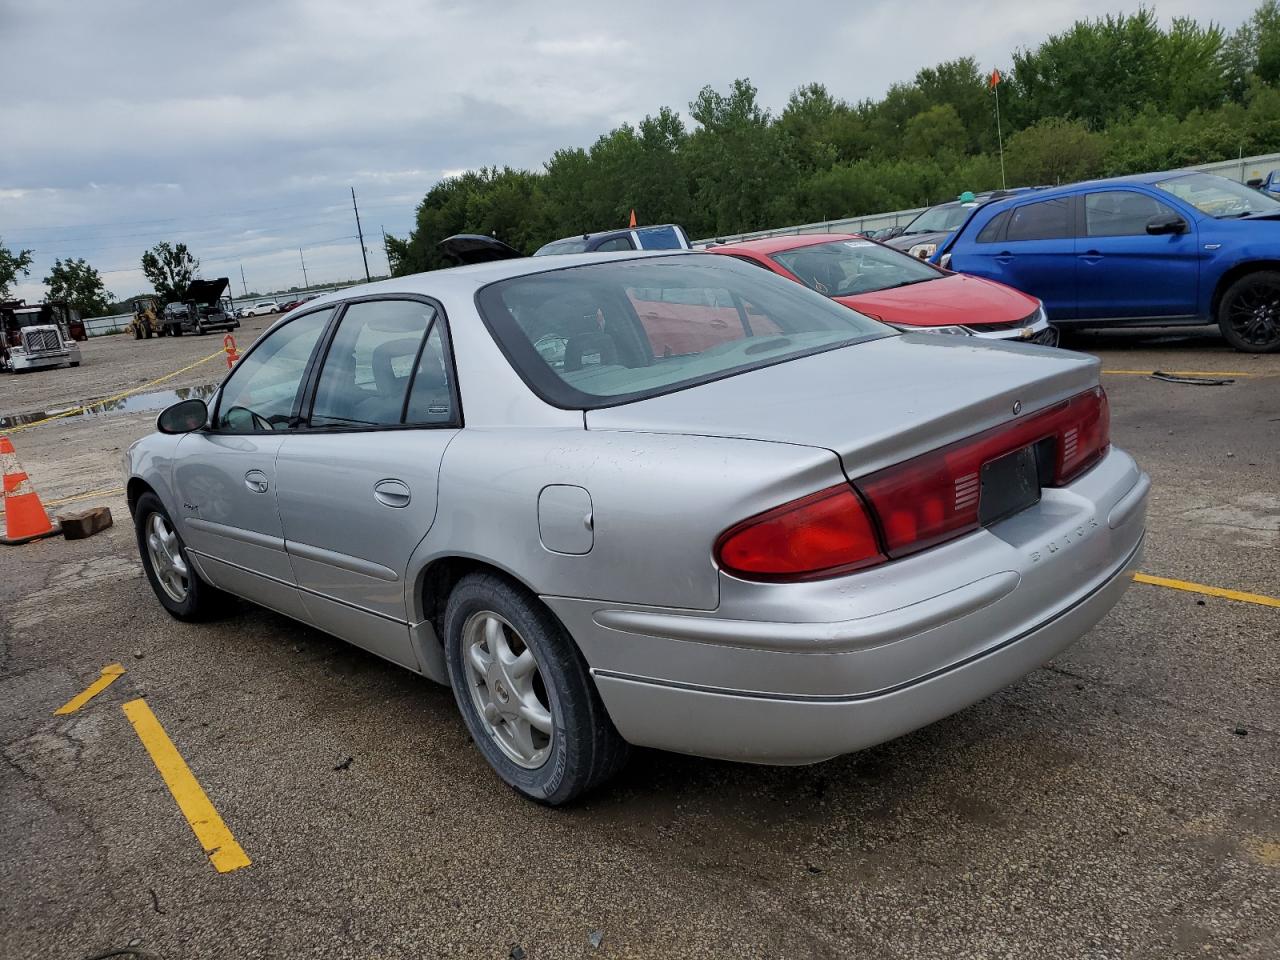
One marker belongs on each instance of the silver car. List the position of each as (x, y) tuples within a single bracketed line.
[(664, 500)]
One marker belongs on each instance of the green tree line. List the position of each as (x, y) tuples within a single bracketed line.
[(1110, 96)]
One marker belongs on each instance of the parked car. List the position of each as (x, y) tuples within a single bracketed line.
[(467, 248), (1270, 184), (901, 290), (1161, 248), (931, 228), (262, 308), (202, 309), (603, 522)]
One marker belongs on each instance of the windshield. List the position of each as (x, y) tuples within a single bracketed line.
[(573, 245), (607, 333), (1219, 197), (843, 268), (942, 219)]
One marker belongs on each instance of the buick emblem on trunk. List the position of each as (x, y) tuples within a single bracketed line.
[(1017, 407)]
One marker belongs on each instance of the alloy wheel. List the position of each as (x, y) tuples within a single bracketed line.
[(167, 561), (1255, 315), (507, 689)]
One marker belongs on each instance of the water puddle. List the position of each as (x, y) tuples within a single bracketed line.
[(156, 400)]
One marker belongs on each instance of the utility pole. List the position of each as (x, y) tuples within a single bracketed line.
[(242, 283), (306, 284), (359, 232), (386, 249)]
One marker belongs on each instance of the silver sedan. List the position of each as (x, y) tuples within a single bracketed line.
[(663, 500)]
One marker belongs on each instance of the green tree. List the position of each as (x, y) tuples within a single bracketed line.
[(170, 268), (12, 265), (80, 285), (1055, 151)]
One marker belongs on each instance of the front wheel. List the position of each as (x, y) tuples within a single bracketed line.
[(137, 333), (525, 694), (1249, 314), (164, 558)]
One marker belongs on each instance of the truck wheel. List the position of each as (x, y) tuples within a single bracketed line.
[(525, 693), (1249, 314), (137, 333)]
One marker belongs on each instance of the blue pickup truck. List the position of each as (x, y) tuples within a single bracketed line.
[(1156, 249)]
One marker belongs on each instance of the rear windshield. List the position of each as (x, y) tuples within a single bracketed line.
[(844, 268), (608, 333)]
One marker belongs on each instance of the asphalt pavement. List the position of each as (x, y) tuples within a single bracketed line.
[(1119, 802)]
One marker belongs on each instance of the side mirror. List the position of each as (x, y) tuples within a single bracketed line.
[(183, 417), (1255, 182), (1169, 224)]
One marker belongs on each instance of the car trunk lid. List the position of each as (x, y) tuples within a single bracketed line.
[(873, 404)]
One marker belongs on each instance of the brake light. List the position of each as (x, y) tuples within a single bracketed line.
[(822, 535), (935, 497), (925, 501)]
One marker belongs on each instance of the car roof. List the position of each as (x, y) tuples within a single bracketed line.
[(778, 244), (1068, 189), (465, 280)]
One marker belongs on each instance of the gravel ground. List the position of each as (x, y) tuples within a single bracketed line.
[(1119, 802)]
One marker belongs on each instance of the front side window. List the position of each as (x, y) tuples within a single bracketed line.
[(606, 333), (844, 268), (1121, 213), (261, 391), (1046, 220), (660, 238), (614, 244), (994, 231), (1219, 197), (371, 363)]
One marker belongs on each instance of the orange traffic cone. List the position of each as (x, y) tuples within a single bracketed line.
[(24, 515)]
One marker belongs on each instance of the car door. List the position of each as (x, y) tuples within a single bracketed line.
[(357, 484), (225, 476), (1124, 271), (1031, 247)]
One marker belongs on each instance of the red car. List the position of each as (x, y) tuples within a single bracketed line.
[(899, 289)]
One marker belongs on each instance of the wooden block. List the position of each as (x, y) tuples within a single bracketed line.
[(85, 523)]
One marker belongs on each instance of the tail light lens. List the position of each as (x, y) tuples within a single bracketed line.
[(918, 504), (821, 535), (934, 497)]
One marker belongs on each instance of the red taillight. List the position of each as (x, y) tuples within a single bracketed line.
[(926, 500), (935, 497), (821, 535)]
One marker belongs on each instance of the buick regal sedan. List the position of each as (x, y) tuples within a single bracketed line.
[(606, 521)]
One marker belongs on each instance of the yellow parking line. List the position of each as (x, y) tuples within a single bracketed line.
[(109, 492), (1183, 373), (225, 854), (109, 674), (1207, 590)]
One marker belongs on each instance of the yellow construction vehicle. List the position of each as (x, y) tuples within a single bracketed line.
[(146, 319)]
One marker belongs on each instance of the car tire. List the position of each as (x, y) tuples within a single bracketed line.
[(196, 600), (1249, 313), (580, 748), (200, 330)]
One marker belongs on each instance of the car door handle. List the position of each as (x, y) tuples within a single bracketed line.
[(1004, 256), (392, 493), (1091, 256), (256, 481)]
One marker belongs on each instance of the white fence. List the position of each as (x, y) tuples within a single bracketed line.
[(97, 326), (1240, 170)]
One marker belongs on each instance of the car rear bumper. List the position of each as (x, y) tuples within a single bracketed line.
[(797, 673)]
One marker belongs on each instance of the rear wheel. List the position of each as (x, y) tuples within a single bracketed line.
[(164, 558), (524, 692), (1249, 314)]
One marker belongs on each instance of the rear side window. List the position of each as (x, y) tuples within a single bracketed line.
[(369, 372), (1121, 213), (995, 229), (1046, 220)]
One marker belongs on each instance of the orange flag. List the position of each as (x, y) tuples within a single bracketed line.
[(995, 79), (633, 219)]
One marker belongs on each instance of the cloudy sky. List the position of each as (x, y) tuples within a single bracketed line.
[(240, 126)]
